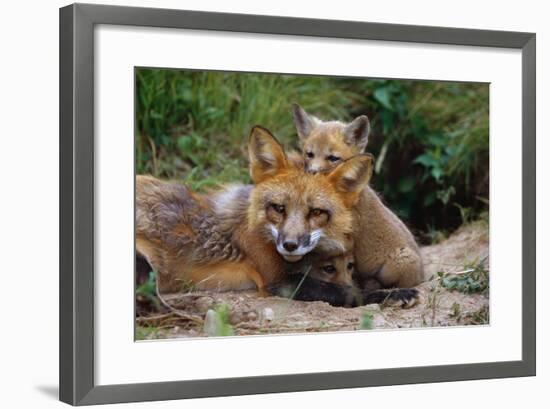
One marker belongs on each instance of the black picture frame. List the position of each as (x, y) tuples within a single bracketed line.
[(76, 29)]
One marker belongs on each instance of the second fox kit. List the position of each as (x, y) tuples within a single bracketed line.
[(340, 270), (383, 246)]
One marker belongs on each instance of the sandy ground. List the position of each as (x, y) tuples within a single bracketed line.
[(197, 314)]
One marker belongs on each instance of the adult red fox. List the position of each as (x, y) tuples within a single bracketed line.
[(245, 236), (384, 248), (242, 236)]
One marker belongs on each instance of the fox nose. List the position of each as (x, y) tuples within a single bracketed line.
[(290, 245)]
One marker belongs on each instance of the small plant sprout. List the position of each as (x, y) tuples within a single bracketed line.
[(367, 321)]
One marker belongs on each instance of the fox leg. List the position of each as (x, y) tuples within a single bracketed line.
[(225, 276), (405, 297), (402, 268), (309, 289), (297, 287), (148, 258), (366, 282), (255, 276)]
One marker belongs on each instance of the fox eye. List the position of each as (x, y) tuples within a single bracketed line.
[(310, 154), (329, 269), (332, 158), (278, 208), (316, 212), (350, 266)]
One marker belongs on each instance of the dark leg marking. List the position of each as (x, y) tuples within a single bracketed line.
[(405, 296), (315, 290)]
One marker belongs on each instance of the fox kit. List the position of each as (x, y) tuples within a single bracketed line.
[(331, 279), (244, 236), (326, 144), (384, 248), (337, 269), (340, 270), (332, 267)]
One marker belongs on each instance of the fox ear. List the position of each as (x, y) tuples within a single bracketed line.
[(266, 155), (303, 121), (357, 132), (353, 175)]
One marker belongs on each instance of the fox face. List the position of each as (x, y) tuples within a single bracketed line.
[(337, 270), (300, 211), (327, 144)]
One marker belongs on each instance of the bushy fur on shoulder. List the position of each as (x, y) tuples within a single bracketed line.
[(178, 218)]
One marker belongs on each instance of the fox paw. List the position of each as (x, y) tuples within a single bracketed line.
[(405, 297), (402, 297)]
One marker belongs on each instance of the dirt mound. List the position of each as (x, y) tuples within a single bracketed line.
[(452, 295)]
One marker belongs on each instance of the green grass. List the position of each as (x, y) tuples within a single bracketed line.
[(145, 332), (148, 290), (195, 125), (219, 325), (367, 321), (475, 279), (431, 139), (479, 317)]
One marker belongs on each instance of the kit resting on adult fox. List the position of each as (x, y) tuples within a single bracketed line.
[(384, 248)]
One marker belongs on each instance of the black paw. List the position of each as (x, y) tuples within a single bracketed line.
[(404, 297), (309, 289)]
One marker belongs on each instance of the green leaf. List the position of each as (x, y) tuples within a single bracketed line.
[(437, 139), (426, 160), (186, 143), (451, 150), (217, 323), (445, 194), (387, 119), (437, 173), (367, 321), (383, 96)]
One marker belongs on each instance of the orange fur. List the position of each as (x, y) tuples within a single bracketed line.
[(231, 239)]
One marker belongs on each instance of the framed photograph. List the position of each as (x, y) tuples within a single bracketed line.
[(258, 204)]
